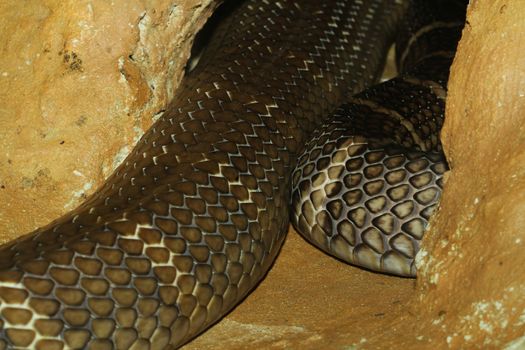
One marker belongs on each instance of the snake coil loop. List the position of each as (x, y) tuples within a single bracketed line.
[(194, 217)]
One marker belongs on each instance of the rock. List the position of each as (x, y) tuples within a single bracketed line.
[(80, 82), (471, 276)]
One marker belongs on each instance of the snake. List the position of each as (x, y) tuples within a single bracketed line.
[(371, 177), (195, 216)]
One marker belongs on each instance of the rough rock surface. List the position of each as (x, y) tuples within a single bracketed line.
[(80, 81), (470, 289), (471, 276)]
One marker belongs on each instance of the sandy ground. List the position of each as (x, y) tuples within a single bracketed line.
[(310, 300)]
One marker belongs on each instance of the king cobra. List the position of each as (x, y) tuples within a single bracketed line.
[(195, 216)]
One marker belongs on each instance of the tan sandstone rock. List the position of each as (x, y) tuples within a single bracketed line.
[(80, 81), (471, 283)]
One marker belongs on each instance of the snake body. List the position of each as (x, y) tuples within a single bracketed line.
[(371, 177), (194, 217)]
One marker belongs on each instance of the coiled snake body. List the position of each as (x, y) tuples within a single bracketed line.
[(194, 217)]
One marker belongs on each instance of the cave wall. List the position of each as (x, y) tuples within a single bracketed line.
[(80, 81), (471, 278)]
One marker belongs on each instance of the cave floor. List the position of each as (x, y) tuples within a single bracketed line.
[(310, 300)]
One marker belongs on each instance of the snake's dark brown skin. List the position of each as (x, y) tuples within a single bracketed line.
[(194, 217), (371, 177)]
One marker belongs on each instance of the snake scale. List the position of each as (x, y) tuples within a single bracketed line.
[(370, 178), (194, 217)]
